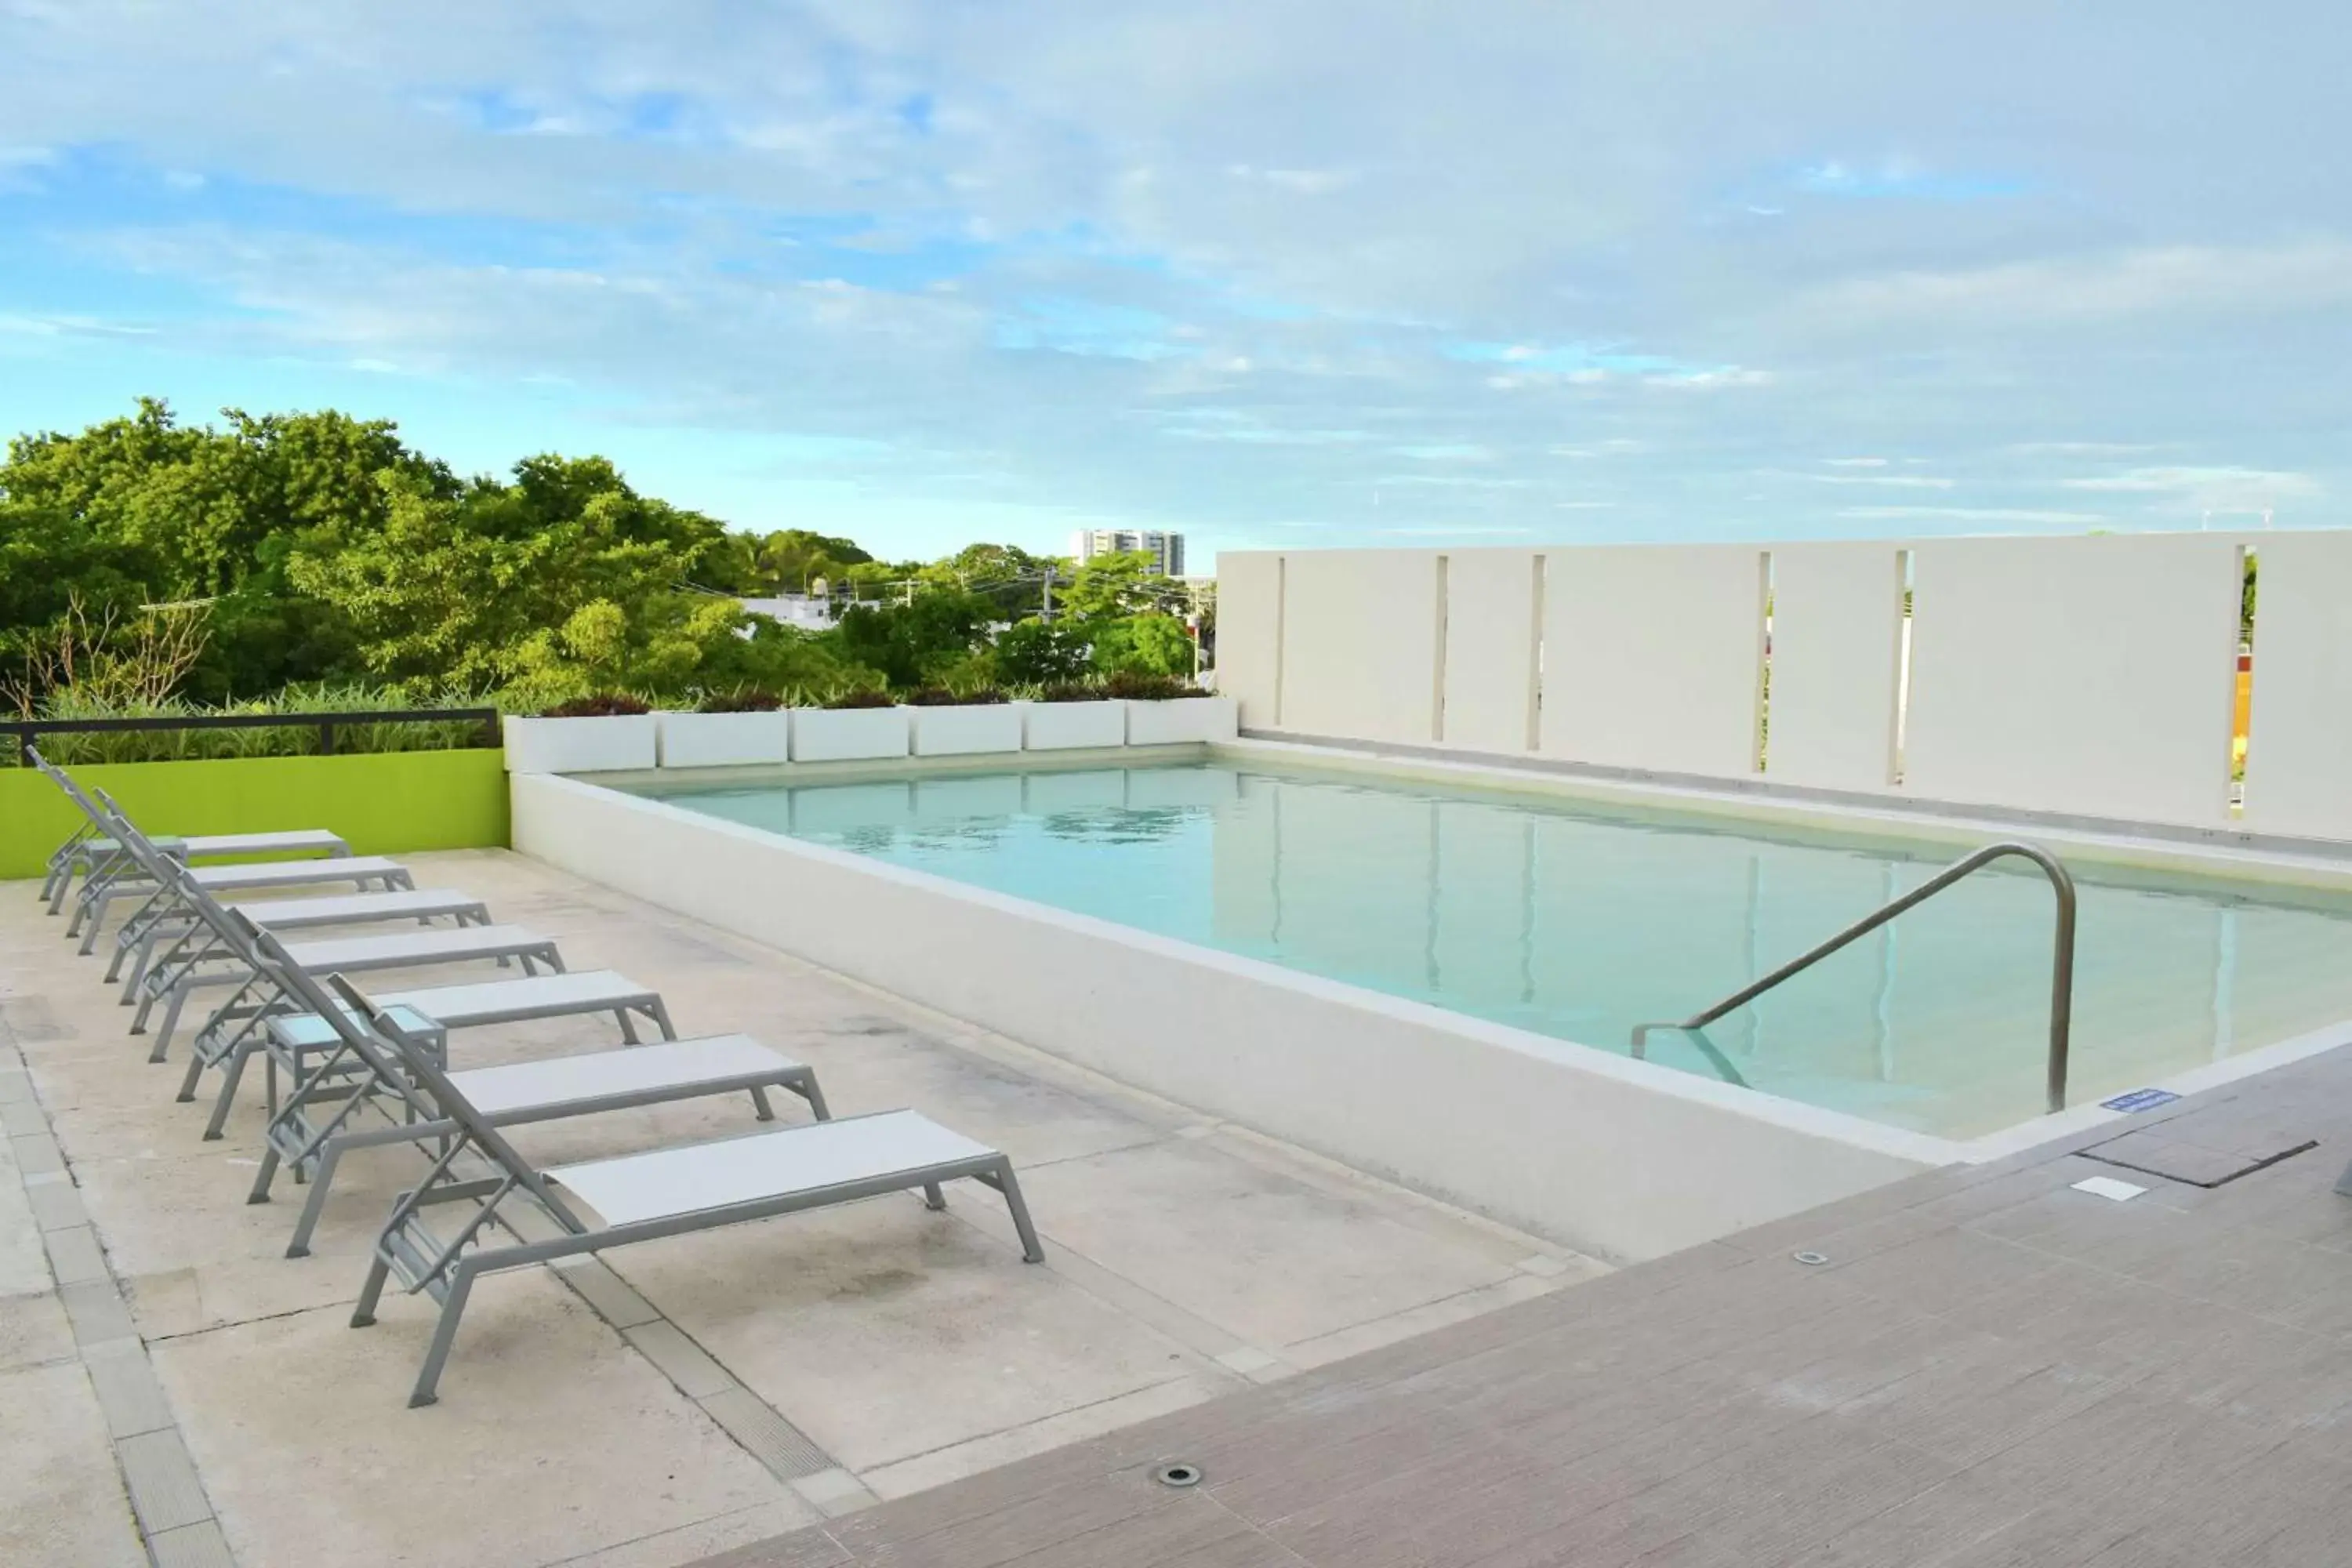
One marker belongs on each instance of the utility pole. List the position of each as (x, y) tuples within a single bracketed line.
[(1048, 614)]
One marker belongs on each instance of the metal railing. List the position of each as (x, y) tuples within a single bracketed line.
[(26, 732), (2061, 958)]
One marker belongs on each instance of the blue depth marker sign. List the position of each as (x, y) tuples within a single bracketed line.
[(2140, 1099)]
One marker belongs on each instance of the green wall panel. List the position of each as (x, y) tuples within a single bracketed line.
[(384, 802)]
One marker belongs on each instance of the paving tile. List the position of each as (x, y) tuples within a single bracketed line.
[(163, 1480), (198, 1545)]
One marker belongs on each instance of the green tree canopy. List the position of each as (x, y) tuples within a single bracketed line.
[(311, 547)]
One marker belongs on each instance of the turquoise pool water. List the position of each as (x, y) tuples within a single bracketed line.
[(1579, 922)]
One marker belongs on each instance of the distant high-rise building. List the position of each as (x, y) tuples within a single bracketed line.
[(1166, 549)]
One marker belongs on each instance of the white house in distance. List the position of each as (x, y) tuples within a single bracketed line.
[(1166, 549)]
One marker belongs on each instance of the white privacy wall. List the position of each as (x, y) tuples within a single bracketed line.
[(2299, 743), (1359, 644), (1652, 656), (2092, 675), (1490, 649), (1837, 638), (1249, 635)]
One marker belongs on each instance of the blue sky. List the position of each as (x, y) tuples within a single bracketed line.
[(1298, 275)]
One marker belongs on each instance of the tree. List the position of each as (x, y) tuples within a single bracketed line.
[(1143, 645), (791, 559), (916, 643), (1110, 586), (1038, 653), (1006, 575)]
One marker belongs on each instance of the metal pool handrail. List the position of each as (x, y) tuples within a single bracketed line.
[(2061, 958)]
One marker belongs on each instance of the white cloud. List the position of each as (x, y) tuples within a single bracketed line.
[(816, 219), (1896, 482), (1442, 530), (2298, 275), (1969, 514), (2206, 489)]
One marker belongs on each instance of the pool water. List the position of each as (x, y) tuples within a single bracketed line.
[(1581, 921)]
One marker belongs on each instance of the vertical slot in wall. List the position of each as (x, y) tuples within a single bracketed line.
[(1281, 627), (1905, 603), (1437, 662), (1761, 754), (2242, 682), (1536, 655)]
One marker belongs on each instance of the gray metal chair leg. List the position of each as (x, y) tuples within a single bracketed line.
[(227, 1096), (809, 1092), (264, 1177), (932, 1197), (444, 1332), (188, 1083), (315, 1205), (1005, 1182), (762, 1110), (150, 996), (661, 1019), (364, 1309), (171, 1020)]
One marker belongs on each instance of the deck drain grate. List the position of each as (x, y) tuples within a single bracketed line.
[(1811, 1260), (1178, 1474)]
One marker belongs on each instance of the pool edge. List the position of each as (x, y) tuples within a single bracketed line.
[(1624, 1159)]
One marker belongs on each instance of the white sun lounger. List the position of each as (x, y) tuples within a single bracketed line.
[(636, 1197), (313, 1131), (94, 855), (352, 954), (481, 1003), (360, 871), (666, 1192), (296, 1040), (424, 905)]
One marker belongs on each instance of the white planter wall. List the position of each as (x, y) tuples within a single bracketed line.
[(965, 731), (1180, 720), (1069, 726), (848, 734), (723, 740), (608, 744)]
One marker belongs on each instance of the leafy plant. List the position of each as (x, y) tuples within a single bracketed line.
[(1136, 688), (1070, 692), (741, 700), (601, 705), (862, 698), (941, 696)]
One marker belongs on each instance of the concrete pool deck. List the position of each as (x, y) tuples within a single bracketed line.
[(175, 1389), (1981, 1367)]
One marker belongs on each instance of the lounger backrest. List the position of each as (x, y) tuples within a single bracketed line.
[(381, 1057), (450, 1100), (176, 874), (64, 780)]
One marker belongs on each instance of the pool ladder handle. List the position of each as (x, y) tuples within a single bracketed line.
[(2061, 958)]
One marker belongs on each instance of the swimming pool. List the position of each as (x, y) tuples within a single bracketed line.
[(1578, 921)]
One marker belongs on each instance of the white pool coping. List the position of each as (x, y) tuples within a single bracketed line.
[(1620, 1157)]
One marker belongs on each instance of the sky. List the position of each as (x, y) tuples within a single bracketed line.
[(1287, 274)]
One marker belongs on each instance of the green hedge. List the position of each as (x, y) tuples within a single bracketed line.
[(383, 802)]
